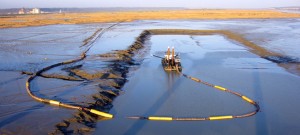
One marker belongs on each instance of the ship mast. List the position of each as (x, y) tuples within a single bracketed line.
[(168, 55), (173, 56)]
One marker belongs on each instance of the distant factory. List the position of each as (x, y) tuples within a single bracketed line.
[(22, 11), (35, 11), (32, 11)]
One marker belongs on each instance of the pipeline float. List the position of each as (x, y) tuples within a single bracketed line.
[(170, 64)]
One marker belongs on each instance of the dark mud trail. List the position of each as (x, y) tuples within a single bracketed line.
[(110, 82)]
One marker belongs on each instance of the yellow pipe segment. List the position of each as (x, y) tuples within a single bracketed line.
[(161, 118), (248, 100), (53, 102), (103, 114), (220, 117), (219, 87), (195, 79)]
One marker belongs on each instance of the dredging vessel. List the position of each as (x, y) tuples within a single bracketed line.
[(171, 61)]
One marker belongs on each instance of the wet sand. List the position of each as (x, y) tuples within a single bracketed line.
[(215, 58), (12, 21)]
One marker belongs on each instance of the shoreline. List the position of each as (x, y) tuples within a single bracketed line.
[(288, 63), (16, 21)]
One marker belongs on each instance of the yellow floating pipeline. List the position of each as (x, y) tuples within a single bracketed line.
[(157, 118), (229, 91), (225, 117), (58, 103)]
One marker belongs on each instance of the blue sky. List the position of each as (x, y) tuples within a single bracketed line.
[(150, 3)]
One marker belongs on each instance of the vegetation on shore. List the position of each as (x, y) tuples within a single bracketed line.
[(126, 16)]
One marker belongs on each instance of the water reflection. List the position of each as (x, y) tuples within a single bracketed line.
[(172, 83), (171, 78)]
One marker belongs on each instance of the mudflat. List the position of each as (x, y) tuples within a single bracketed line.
[(127, 16), (119, 76)]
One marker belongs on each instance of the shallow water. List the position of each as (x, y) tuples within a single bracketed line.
[(153, 92), (150, 90)]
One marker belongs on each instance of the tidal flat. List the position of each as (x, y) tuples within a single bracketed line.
[(256, 57)]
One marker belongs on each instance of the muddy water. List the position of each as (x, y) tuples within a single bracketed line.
[(152, 91)]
